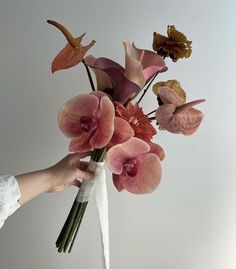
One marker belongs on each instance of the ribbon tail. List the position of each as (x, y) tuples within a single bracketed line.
[(102, 206)]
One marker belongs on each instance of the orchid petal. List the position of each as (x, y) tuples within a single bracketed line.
[(147, 178), (105, 127), (157, 149), (117, 182), (121, 152), (122, 132), (70, 113), (81, 144)]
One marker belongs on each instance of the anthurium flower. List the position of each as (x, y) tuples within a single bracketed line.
[(175, 46), (173, 85), (72, 53), (134, 167), (176, 116), (125, 83), (89, 120)]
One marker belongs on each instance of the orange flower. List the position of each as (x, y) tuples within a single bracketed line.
[(174, 46), (134, 115), (72, 53)]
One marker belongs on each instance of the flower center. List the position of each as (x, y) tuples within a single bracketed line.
[(131, 167), (88, 123)]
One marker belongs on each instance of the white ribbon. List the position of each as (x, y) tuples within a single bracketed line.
[(102, 204)]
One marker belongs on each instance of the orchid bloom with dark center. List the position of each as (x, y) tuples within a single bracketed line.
[(125, 83), (73, 53), (176, 116), (134, 167), (89, 120)]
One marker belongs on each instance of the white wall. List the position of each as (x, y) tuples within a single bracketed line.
[(189, 221)]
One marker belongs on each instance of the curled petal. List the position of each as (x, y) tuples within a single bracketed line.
[(157, 149), (173, 84), (70, 113), (147, 178), (141, 65), (168, 96), (122, 132), (103, 79), (105, 127), (124, 88), (70, 56)]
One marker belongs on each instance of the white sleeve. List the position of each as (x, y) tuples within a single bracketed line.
[(9, 196)]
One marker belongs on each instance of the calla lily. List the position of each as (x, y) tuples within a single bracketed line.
[(125, 83), (133, 167), (176, 116), (72, 53), (89, 120)]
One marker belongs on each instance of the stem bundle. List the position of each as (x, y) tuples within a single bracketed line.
[(71, 226)]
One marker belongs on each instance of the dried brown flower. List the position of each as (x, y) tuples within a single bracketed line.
[(174, 46)]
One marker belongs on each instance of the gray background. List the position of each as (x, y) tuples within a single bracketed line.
[(189, 221)]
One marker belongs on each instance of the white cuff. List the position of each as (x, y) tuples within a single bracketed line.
[(9, 196)]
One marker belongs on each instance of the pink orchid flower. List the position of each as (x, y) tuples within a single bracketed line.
[(72, 53), (125, 83), (176, 116), (134, 167), (89, 119)]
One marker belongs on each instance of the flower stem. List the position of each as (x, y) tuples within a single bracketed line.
[(149, 84), (151, 112), (83, 207), (89, 75), (152, 118)]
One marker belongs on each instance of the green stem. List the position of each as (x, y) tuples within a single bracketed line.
[(84, 205), (75, 223), (67, 230), (65, 225)]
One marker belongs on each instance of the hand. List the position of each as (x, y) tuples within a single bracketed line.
[(69, 171)]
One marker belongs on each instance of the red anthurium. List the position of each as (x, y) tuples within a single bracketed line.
[(125, 83), (134, 167), (89, 120), (72, 53), (176, 116)]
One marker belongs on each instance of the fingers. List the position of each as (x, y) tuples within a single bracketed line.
[(76, 183), (85, 175)]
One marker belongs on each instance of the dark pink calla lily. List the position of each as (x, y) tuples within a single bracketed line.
[(125, 83), (89, 120), (134, 167), (176, 116)]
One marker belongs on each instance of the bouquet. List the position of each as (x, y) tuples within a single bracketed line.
[(108, 123)]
